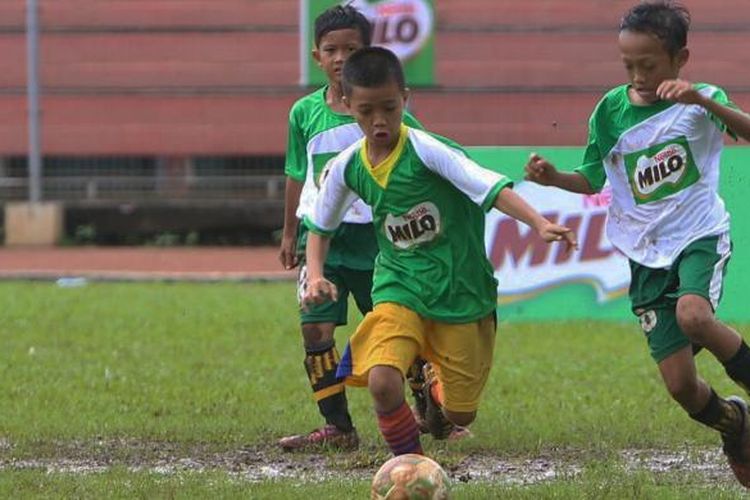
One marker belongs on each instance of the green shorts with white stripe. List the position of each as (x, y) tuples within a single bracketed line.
[(698, 270)]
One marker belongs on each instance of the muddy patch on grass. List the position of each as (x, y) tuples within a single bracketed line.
[(268, 463), (528, 470), (709, 463)]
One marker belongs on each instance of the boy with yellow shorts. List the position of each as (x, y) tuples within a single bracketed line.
[(434, 292)]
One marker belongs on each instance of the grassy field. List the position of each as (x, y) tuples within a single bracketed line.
[(180, 391)]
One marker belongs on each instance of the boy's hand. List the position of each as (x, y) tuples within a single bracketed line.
[(540, 170), (319, 291), (288, 252), (680, 91), (555, 232)]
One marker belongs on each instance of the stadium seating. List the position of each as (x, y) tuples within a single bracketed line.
[(197, 77)]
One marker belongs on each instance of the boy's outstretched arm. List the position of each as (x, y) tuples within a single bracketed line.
[(543, 172), (319, 289), (737, 121), (683, 92), (510, 203)]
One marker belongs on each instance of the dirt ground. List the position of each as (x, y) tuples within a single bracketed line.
[(268, 463), (143, 263)]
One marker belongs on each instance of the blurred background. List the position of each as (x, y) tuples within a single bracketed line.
[(167, 118)]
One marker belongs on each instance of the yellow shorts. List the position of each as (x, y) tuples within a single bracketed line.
[(394, 335)]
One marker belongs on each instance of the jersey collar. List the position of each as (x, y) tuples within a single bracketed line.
[(382, 171)]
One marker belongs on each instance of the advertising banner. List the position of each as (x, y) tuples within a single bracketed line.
[(407, 27), (539, 282), (527, 266)]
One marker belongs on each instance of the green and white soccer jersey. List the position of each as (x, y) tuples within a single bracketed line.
[(662, 162), (427, 200), (317, 134)]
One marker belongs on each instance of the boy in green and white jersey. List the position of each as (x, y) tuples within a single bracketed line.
[(320, 127), (434, 292), (658, 141)]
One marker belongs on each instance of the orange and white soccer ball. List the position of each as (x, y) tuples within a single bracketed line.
[(410, 477)]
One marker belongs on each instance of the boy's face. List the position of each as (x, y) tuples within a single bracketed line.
[(648, 63), (378, 111), (334, 49)]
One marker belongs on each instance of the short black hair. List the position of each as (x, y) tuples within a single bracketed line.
[(342, 17), (667, 20), (372, 67)]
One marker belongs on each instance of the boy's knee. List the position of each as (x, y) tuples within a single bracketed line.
[(694, 316), (386, 386), (461, 418), (317, 333)]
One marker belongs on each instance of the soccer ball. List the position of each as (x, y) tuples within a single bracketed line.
[(410, 477)]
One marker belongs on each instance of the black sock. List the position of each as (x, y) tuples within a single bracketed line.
[(720, 414), (321, 363), (415, 378), (738, 367)]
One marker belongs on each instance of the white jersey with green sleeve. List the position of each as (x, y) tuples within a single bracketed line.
[(428, 201), (317, 134), (662, 162)]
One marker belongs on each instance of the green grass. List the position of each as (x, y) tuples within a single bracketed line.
[(217, 367)]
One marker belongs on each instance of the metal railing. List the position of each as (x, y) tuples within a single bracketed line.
[(114, 188), (140, 180)]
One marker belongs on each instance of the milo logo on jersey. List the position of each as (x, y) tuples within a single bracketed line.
[(661, 170), (419, 225)]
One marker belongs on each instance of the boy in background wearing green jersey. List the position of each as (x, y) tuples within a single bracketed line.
[(658, 140), (320, 127), (434, 291)]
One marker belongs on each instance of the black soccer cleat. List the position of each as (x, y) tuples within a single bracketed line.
[(737, 445)]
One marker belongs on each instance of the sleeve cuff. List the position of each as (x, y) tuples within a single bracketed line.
[(294, 175), (489, 200), (583, 170), (316, 229)]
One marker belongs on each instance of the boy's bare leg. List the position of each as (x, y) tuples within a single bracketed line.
[(697, 320), (728, 416), (442, 423), (682, 381), (395, 418)]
